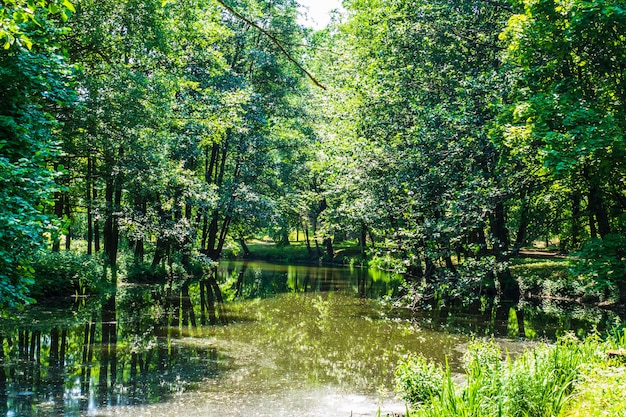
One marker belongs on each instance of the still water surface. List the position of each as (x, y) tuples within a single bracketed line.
[(293, 341)]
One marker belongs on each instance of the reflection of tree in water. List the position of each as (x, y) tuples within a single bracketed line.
[(211, 300), (127, 352), (143, 344), (260, 280), (547, 319)]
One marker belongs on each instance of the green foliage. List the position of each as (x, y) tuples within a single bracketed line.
[(409, 156), (417, 380), (538, 383), (566, 123), (602, 264), (21, 21), (145, 273), (446, 127), (551, 279), (64, 274), (35, 88)]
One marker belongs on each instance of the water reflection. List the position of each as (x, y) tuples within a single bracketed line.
[(288, 340), (77, 360), (148, 345), (260, 279)]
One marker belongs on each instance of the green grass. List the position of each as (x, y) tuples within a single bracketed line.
[(345, 253), (550, 279), (568, 379)]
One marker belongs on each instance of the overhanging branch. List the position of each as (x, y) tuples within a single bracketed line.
[(273, 39)]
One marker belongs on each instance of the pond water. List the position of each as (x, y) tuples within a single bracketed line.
[(289, 341)]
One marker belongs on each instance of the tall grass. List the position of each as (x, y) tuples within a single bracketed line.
[(544, 381)]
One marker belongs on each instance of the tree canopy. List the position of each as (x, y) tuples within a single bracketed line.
[(443, 136)]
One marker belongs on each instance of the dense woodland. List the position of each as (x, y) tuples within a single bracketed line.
[(442, 136)]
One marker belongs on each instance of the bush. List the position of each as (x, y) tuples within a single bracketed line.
[(65, 273), (602, 263), (418, 380), (145, 273)]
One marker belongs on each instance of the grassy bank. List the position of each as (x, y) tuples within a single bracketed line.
[(346, 253), (568, 379)]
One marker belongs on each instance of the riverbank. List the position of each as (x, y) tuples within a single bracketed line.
[(541, 274), (345, 253), (571, 378)]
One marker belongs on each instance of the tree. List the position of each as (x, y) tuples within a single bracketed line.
[(35, 88), (568, 111), (426, 74), (185, 118)]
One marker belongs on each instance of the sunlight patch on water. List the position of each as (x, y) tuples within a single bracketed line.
[(315, 402)]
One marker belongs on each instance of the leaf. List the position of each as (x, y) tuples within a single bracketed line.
[(69, 6), (27, 42)]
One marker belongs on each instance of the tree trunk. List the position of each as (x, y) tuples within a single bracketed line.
[(58, 212), (141, 207), (509, 287), (96, 225), (596, 207), (524, 221), (305, 227), (89, 202), (317, 244), (499, 230), (363, 240), (113, 199), (160, 252), (597, 210), (576, 227), (111, 228), (244, 247), (328, 242), (521, 328), (68, 214)]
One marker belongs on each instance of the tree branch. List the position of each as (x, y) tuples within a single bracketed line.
[(273, 39)]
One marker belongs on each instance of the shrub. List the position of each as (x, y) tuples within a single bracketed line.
[(602, 262), (65, 273), (145, 273), (418, 380)]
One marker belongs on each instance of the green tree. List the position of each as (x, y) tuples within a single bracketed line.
[(34, 90), (568, 111), (185, 122), (425, 76)]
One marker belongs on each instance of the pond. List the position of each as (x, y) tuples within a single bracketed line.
[(289, 340)]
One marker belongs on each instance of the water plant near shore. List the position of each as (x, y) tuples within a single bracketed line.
[(546, 380)]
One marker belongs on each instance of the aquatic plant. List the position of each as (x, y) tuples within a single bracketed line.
[(418, 380), (546, 380)]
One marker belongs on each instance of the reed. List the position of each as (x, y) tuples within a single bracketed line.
[(546, 380)]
